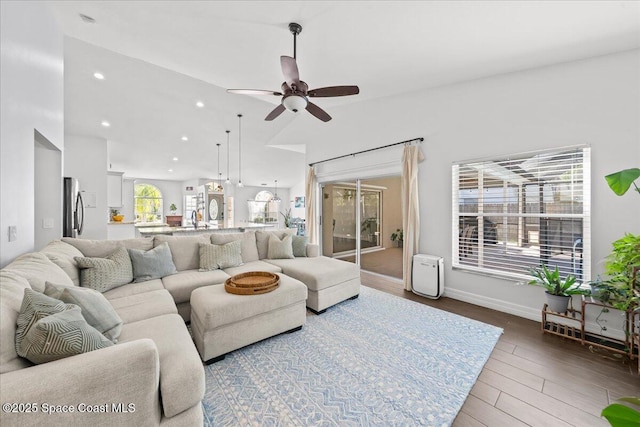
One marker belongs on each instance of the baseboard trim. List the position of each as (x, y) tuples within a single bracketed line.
[(495, 304)]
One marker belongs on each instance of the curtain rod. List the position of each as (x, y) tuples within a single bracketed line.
[(366, 151)]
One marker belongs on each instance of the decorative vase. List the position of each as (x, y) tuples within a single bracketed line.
[(117, 218), (557, 303)]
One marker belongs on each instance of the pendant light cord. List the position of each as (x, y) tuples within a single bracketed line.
[(228, 180), (239, 150)]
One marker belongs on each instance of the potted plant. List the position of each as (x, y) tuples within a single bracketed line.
[(558, 290), (173, 208), (620, 181), (620, 415), (397, 236), (287, 217)]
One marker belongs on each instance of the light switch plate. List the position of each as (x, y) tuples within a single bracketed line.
[(13, 233), (47, 223)]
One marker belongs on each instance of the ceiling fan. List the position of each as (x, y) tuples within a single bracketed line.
[(295, 93)]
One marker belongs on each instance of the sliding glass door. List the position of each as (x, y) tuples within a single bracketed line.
[(362, 222)]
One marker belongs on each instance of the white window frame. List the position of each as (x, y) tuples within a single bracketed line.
[(146, 214), (495, 166)]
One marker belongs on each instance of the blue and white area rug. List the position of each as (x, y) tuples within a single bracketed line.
[(379, 360)]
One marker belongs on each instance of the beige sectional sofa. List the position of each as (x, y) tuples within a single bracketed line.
[(154, 365)]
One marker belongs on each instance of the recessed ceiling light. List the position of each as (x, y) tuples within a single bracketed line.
[(105, 123), (199, 104), (264, 185), (184, 138), (170, 170), (87, 18), (175, 159), (98, 76)]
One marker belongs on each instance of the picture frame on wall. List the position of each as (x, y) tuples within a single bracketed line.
[(298, 202)]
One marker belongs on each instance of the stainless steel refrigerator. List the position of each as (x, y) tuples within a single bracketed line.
[(73, 208)]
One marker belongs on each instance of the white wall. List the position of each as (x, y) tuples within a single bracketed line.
[(31, 84), (47, 192), (593, 101), (85, 158)]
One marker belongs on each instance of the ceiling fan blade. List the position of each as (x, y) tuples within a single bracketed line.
[(290, 70), (275, 113), (325, 92), (253, 92), (318, 112)]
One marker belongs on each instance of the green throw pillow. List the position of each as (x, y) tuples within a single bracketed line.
[(280, 249), (96, 309), (214, 257), (107, 273), (299, 244), (35, 306), (152, 264), (60, 335)]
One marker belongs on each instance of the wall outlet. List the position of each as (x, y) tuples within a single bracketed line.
[(13, 233), (47, 223)]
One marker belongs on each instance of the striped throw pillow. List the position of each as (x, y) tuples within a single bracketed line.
[(214, 257)]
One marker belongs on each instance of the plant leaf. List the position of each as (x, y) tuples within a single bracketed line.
[(620, 181), (620, 415), (632, 400)]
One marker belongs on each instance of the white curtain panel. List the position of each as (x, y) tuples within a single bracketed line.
[(410, 209), (310, 197)]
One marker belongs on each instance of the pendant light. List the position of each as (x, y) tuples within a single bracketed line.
[(219, 174), (275, 196), (228, 181), (240, 151)]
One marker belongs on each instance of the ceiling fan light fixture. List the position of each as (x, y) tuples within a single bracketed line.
[(295, 103)]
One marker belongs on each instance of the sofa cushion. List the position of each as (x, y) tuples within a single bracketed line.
[(280, 248), (214, 257), (248, 243), (152, 264), (60, 335), (181, 372), (299, 244), (37, 269), (62, 254), (144, 306), (12, 288), (182, 284), (134, 289), (184, 250), (319, 272), (106, 273), (262, 240), (253, 266), (96, 309), (102, 248)]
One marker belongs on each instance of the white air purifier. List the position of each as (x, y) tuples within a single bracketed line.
[(427, 275)]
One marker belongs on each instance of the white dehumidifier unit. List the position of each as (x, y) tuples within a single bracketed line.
[(428, 275)]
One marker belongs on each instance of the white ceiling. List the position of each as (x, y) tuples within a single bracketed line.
[(159, 57)]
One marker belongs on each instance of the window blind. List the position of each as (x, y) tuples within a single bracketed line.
[(522, 211)]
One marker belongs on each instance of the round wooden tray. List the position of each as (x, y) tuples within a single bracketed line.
[(252, 283)]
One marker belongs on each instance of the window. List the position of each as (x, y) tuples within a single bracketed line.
[(148, 203), (263, 210), (522, 211)]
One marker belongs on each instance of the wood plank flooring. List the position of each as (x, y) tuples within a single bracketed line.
[(531, 378)]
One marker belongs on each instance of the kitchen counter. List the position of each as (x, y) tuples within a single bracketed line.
[(190, 231)]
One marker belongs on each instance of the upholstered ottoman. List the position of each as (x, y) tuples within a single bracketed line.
[(329, 280), (222, 322)]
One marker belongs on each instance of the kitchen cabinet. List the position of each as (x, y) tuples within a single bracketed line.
[(114, 189)]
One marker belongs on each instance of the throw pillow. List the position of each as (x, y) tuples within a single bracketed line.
[(280, 249), (35, 306), (107, 273), (60, 335), (96, 309), (299, 244), (153, 264), (213, 257)]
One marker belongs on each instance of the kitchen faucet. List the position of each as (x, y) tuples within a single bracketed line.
[(194, 219)]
